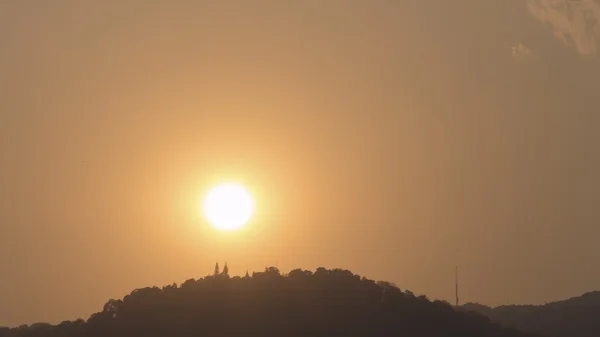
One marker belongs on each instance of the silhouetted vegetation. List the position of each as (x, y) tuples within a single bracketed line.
[(301, 303), (575, 317)]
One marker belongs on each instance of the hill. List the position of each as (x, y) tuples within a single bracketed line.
[(574, 317), (301, 303)]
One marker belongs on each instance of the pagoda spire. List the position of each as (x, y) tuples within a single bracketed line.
[(216, 272)]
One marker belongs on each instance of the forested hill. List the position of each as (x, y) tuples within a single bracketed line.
[(301, 303), (575, 317)]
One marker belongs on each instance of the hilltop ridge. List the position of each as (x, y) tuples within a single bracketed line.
[(301, 303), (573, 317)]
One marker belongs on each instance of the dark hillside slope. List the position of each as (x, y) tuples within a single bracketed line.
[(575, 317), (302, 303)]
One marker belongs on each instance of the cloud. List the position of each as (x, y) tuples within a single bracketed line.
[(521, 52), (575, 22)]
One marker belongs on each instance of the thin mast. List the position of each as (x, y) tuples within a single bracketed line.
[(456, 279)]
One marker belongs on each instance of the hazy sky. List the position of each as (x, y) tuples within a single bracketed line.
[(393, 138)]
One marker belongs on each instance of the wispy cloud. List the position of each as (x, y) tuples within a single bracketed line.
[(575, 22), (521, 53)]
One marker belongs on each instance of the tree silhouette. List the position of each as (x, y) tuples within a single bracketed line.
[(272, 270), (326, 303), (225, 271), (216, 272)]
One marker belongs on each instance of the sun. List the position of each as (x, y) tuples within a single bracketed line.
[(228, 206)]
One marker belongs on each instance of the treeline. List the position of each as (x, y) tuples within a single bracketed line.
[(575, 317), (301, 303)]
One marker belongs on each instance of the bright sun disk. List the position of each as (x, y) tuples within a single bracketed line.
[(228, 206)]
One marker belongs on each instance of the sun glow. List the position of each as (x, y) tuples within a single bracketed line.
[(228, 206)]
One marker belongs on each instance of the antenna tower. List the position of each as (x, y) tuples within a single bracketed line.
[(456, 279)]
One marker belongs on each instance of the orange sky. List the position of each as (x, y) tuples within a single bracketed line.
[(396, 139)]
